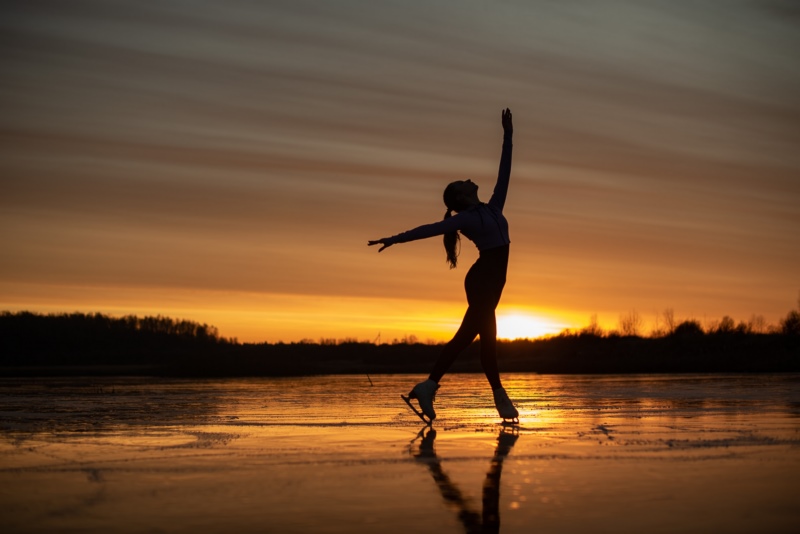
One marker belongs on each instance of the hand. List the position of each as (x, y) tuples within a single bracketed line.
[(508, 127), (383, 241)]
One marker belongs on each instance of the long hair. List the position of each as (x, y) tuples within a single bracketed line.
[(452, 240)]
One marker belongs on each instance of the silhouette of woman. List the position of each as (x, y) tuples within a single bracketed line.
[(484, 225)]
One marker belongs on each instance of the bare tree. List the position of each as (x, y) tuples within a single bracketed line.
[(657, 330), (630, 324), (726, 325), (757, 324), (669, 321), (593, 329)]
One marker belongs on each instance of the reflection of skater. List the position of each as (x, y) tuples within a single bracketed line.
[(489, 519), (485, 225)]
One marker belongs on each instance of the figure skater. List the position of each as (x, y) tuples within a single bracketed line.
[(484, 225)]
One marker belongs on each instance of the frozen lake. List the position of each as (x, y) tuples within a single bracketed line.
[(617, 454)]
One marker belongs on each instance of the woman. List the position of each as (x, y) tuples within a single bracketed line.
[(484, 225)]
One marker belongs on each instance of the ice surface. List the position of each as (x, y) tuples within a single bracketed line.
[(660, 453)]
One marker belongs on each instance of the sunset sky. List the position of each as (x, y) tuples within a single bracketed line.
[(227, 162)]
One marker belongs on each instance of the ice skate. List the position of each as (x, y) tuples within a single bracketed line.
[(505, 407), (425, 393)]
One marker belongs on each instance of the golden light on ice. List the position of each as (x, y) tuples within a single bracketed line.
[(520, 325)]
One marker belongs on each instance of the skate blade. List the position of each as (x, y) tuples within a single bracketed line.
[(421, 415), (510, 421)]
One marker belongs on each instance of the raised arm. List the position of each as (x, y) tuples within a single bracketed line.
[(504, 174)]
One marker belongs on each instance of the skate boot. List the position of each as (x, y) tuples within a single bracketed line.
[(505, 407), (425, 393)]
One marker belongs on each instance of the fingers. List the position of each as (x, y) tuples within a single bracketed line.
[(379, 242), (508, 125)]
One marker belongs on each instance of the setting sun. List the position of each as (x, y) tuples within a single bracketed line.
[(519, 325)]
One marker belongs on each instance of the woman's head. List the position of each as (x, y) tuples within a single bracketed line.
[(457, 196), (460, 195)]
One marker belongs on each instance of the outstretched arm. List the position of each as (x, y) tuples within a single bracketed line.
[(425, 231), (504, 174)]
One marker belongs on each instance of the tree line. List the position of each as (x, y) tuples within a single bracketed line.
[(30, 339), (34, 344)]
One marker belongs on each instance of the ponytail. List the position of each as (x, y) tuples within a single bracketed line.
[(452, 243)]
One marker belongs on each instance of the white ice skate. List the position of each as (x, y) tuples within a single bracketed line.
[(505, 407), (425, 393)]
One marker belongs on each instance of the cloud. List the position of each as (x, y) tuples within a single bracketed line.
[(256, 147)]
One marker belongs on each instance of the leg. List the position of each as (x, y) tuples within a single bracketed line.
[(425, 391), (467, 332), (488, 334)]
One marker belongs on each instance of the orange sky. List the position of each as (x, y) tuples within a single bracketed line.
[(228, 163)]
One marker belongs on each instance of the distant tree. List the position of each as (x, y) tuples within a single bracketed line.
[(688, 328), (658, 329), (593, 329), (669, 321), (408, 339), (757, 324), (790, 326), (630, 324), (726, 325)]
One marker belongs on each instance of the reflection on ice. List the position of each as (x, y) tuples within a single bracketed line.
[(337, 454), (488, 520)]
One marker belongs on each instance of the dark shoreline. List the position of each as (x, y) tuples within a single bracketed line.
[(764, 353), (96, 345)]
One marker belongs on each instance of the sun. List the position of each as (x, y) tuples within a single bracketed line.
[(518, 325)]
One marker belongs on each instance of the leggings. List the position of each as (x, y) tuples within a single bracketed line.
[(484, 285)]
